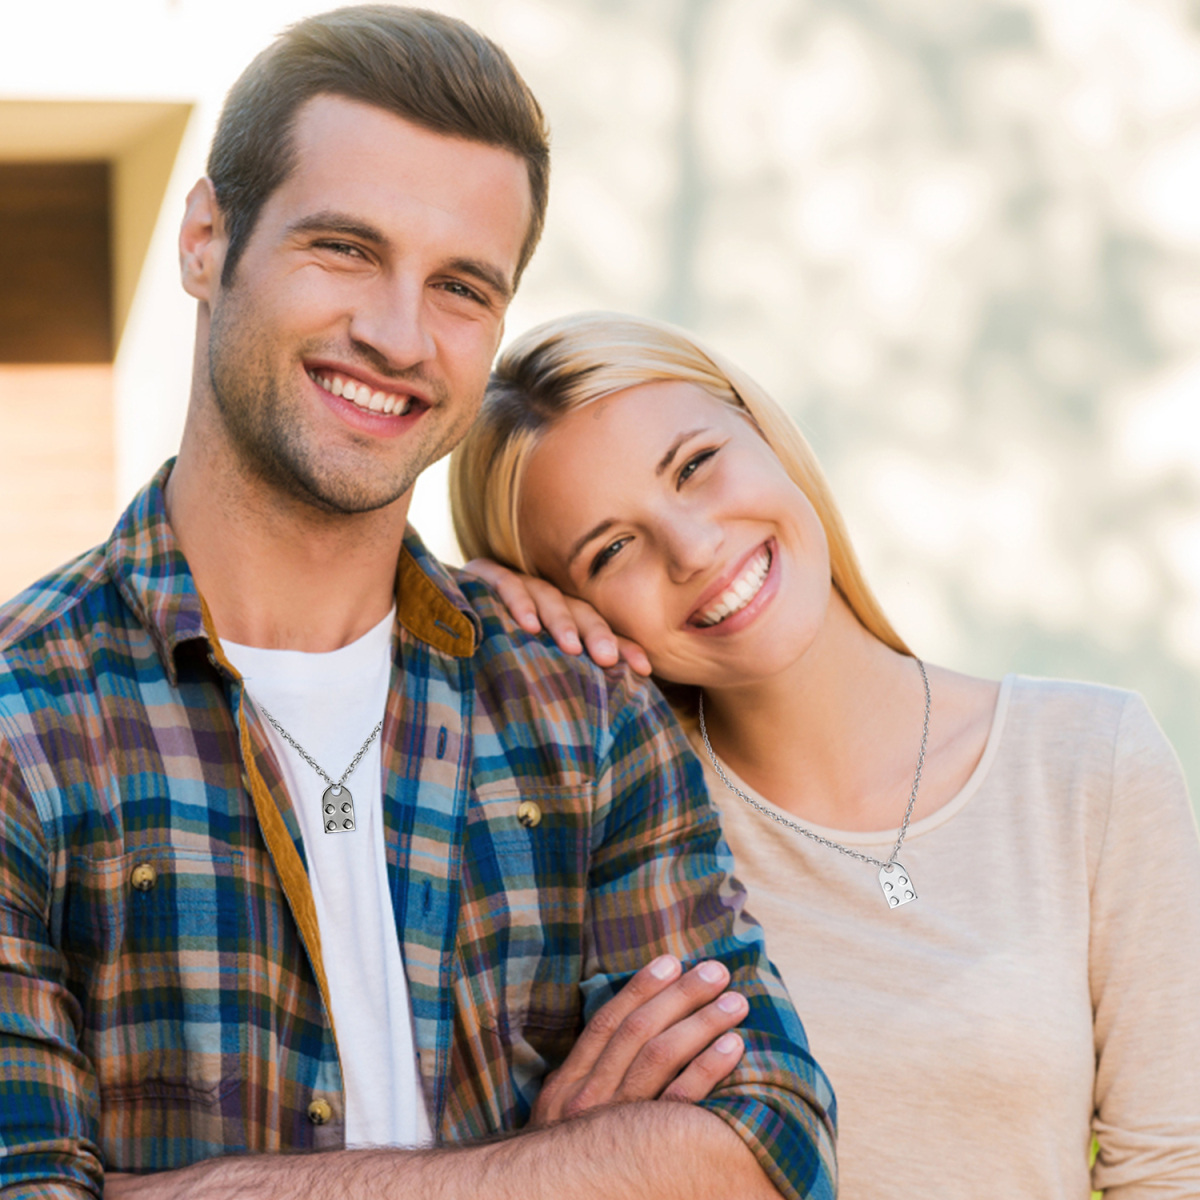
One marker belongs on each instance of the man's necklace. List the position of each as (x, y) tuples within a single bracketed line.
[(337, 804), (894, 879)]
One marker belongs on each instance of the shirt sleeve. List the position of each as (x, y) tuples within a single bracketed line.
[(48, 1100), (662, 883), (1145, 974)]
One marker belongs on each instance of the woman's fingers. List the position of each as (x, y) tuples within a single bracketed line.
[(573, 623), (513, 589), (634, 655)]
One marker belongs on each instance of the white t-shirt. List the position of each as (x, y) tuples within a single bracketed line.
[(329, 703)]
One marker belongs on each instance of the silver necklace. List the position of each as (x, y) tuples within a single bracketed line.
[(337, 803), (894, 879)]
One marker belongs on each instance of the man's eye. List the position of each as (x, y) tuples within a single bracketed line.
[(456, 288), (693, 464), (344, 249), (606, 556)]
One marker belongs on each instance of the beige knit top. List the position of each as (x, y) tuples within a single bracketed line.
[(1044, 985)]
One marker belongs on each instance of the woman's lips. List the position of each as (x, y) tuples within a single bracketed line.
[(738, 594)]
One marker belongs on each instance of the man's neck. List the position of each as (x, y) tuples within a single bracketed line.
[(274, 571)]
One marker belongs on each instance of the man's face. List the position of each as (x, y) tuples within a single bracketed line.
[(352, 347)]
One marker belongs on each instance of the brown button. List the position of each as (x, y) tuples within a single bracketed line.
[(143, 877), (529, 814), (319, 1112)]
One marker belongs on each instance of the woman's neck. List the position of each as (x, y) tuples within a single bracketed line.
[(834, 737)]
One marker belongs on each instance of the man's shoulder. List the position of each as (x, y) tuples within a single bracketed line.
[(522, 666), (49, 609)]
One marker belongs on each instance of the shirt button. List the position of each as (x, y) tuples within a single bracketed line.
[(529, 814), (319, 1112), (246, 780), (143, 877)]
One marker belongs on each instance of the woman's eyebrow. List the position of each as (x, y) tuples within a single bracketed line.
[(668, 458), (594, 532)]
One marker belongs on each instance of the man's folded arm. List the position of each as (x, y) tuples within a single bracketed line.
[(661, 883)]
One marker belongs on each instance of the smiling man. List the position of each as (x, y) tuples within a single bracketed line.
[(304, 844)]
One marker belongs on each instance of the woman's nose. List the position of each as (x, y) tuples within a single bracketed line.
[(692, 547)]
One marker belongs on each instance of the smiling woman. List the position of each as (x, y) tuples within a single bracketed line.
[(949, 870)]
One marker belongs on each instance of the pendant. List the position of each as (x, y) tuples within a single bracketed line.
[(897, 885), (338, 807)]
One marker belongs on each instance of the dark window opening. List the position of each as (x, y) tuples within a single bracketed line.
[(55, 265)]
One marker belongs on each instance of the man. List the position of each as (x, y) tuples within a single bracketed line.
[(304, 845)]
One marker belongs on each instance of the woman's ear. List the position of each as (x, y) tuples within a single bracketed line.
[(202, 242)]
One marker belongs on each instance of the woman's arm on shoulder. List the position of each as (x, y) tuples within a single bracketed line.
[(1145, 973), (573, 624)]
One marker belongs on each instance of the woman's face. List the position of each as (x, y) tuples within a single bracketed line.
[(666, 510)]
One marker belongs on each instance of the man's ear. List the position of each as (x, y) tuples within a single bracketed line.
[(202, 242)]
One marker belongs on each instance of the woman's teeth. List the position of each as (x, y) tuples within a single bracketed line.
[(361, 396), (739, 593)]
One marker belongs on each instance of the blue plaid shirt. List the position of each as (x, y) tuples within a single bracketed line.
[(162, 990)]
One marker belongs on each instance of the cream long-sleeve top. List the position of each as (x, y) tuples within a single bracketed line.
[(1044, 985)]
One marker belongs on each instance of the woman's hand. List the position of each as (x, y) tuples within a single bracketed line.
[(573, 624)]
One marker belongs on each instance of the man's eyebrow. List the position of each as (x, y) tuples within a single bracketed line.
[(485, 273), (335, 222), (594, 532), (668, 458)]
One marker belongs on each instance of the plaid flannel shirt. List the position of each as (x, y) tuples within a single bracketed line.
[(162, 994)]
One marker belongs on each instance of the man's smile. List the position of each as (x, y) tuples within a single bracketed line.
[(362, 395)]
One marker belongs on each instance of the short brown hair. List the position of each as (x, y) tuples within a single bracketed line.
[(430, 69)]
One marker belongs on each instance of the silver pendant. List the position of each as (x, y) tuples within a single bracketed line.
[(897, 885), (337, 805)]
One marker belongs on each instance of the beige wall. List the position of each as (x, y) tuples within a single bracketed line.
[(960, 239), (57, 493)]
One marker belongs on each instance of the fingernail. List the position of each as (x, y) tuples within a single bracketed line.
[(604, 646), (572, 642), (712, 972), (664, 967), (731, 1002), (727, 1043)]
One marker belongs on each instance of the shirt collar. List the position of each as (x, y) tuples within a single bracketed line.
[(148, 567)]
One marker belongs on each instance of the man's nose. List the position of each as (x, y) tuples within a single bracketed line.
[(392, 320)]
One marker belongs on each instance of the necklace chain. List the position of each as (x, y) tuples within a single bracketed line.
[(780, 819), (312, 762)]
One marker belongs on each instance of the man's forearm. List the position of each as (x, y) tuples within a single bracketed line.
[(624, 1152)]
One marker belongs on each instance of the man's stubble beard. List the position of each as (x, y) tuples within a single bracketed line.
[(264, 428)]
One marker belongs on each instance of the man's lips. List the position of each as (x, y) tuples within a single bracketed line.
[(368, 395), (738, 589)]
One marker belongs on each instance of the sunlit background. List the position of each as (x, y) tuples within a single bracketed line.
[(960, 239)]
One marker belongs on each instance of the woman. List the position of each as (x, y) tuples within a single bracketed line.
[(984, 898)]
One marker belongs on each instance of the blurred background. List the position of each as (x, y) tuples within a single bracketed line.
[(959, 239)]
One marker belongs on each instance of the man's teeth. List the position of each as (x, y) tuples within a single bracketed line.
[(739, 593), (361, 396)]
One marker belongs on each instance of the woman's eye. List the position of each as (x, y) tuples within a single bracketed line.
[(605, 556), (693, 464)]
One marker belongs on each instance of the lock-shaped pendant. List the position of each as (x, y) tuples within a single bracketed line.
[(896, 884), (337, 809)]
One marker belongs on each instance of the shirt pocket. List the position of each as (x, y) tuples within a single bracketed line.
[(156, 946)]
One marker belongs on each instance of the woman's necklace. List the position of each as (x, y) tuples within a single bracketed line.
[(337, 804), (894, 879)]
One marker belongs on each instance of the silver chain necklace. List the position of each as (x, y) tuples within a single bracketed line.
[(894, 879), (337, 803)]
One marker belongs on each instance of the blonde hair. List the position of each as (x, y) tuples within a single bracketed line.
[(564, 364)]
